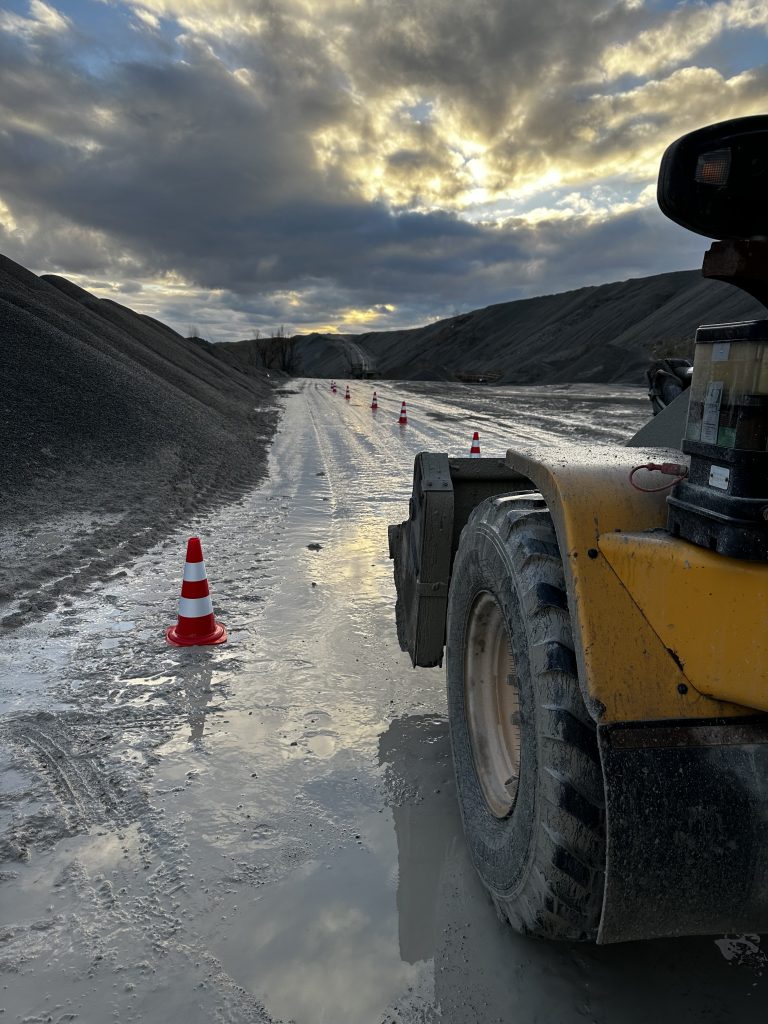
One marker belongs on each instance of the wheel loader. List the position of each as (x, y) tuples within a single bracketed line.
[(602, 611)]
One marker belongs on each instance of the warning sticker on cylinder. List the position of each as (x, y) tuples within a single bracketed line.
[(710, 419)]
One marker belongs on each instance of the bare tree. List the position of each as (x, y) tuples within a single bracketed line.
[(278, 352)]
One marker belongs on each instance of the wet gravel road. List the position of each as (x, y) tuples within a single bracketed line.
[(267, 831)]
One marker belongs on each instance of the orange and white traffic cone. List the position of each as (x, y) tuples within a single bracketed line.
[(347, 396), (196, 624), (474, 451), (374, 402), (403, 421), (333, 385)]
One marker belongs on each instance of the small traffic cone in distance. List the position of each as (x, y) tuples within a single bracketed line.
[(474, 451), (347, 396), (403, 421), (374, 402), (196, 625)]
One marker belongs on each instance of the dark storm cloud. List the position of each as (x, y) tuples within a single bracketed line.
[(298, 162), (484, 57), (194, 172), (476, 269), (546, 83)]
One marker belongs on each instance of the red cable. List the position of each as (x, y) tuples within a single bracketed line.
[(675, 469)]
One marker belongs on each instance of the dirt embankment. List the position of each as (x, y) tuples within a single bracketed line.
[(595, 335), (114, 427)]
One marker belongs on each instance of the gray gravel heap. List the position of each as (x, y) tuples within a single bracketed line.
[(114, 427), (601, 334)]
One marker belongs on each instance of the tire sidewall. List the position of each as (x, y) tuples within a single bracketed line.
[(501, 848)]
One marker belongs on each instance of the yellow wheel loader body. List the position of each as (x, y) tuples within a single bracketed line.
[(670, 650), (670, 642), (665, 629), (636, 607), (710, 612)]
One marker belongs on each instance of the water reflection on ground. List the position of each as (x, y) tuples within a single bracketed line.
[(485, 971), (268, 830)]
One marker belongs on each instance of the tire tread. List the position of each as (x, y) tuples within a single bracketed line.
[(566, 903)]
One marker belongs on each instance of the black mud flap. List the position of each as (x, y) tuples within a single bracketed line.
[(421, 550), (444, 493), (687, 823)]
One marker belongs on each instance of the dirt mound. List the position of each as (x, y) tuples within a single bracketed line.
[(598, 335), (114, 428)]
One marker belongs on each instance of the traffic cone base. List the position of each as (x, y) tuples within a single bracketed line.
[(196, 625), (174, 634)]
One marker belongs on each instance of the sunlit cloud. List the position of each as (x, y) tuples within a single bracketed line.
[(43, 20), (356, 318), (147, 18), (680, 36), (343, 165)]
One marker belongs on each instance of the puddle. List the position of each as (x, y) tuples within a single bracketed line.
[(323, 947), (267, 830)]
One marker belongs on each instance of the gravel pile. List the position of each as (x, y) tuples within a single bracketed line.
[(114, 428), (598, 335)]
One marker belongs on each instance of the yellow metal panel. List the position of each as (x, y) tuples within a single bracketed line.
[(710, 610), (625, 671)]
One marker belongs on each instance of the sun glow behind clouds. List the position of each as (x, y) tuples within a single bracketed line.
[(331, 162), (352, 318)]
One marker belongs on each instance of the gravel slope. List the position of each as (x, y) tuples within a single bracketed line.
[(598, 335), (113, 426)]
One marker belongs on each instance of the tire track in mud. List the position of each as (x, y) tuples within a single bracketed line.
[(540, 415), (82, 561), (75, 784), (77, 778), (76, 791), (368, 456), (134, 815), (260, 532), (386, 450)]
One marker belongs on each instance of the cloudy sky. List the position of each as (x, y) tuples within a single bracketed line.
[(355, 164)]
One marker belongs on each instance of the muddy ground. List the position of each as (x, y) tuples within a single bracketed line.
[(267, 830)]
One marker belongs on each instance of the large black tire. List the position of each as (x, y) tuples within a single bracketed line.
[(543, 859)]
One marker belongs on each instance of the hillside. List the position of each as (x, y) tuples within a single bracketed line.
[(600, 334), (115, 429)]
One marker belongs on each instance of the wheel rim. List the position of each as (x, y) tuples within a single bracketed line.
[(492, 701)]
